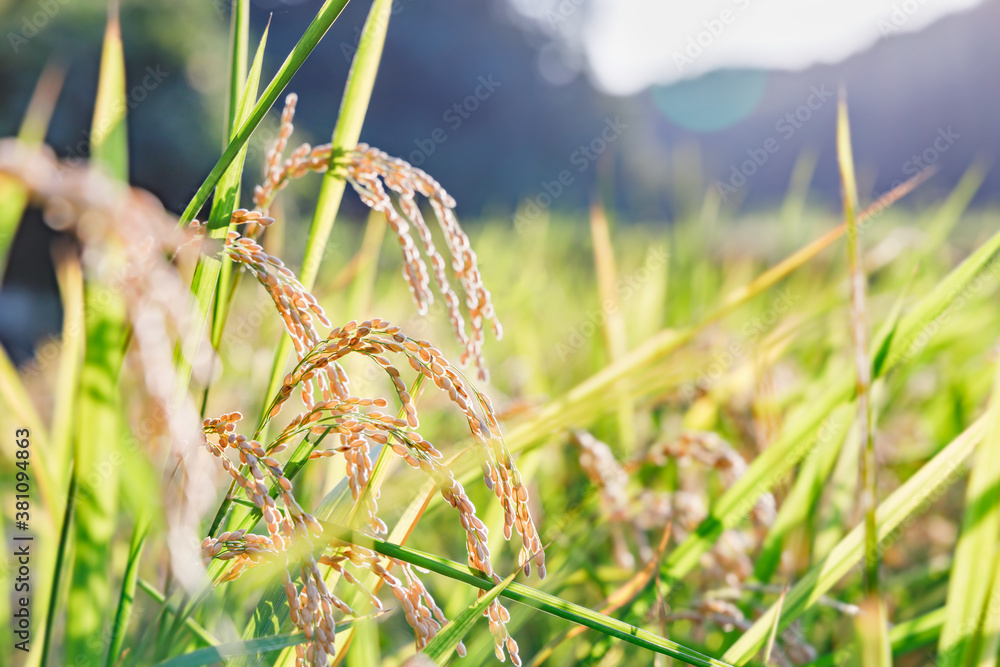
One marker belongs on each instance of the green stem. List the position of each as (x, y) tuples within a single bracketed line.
[(346, 133), (327, 14)]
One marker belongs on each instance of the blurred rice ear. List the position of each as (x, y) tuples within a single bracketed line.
[(802, 426), (34, 125)]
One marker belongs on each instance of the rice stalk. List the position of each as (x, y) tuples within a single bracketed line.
[(96, 507), (871, 624), (324, 18)]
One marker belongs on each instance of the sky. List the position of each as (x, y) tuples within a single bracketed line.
[(626, 46)]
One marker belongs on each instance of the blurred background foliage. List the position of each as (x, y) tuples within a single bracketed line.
[(507, 148)]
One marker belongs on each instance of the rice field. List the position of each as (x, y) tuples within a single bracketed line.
[(273, 434)]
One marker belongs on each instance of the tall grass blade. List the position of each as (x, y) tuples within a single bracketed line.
[(613, 325), (14, 395), (127, 599), (905, 636), (859, 334), (241, 82), (71, 288), (872, 633), (196, 629), (446, 641), (802, 500), (48, 589), (100, 406), (871, 625), (239, 55), (238, 106), (951, 210), (325, 17), (347, 132), (55, 581), (908, 500), (211, 276), (836, 514), (34, 126), (109, 136), (989, 631), (533, 598), (774, 628), (977, 548), (923, 322), (363, 642), (794, 204)]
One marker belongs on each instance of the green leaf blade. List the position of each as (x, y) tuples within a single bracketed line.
[(327, 14), (446, 641), (100, 420), (910, 498)]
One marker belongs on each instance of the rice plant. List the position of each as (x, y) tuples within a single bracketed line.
[(697, 448)]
